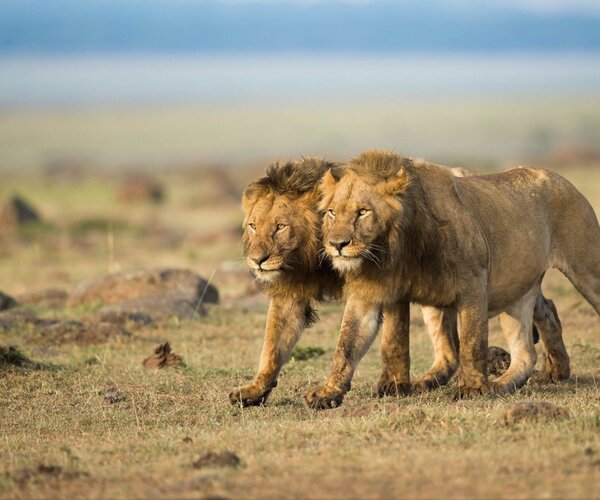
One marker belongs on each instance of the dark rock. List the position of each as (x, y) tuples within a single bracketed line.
[(6, 302), (16, 212), (119, 287)]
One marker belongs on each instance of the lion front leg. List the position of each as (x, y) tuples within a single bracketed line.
[(286, 321), (359, 327), (473, 336), (443, 331), (395, 352)]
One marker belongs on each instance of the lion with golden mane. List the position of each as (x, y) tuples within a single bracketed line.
[(282, 245), (404, 231)]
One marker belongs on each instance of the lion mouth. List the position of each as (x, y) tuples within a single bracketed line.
[(265, 274), (346, 263)]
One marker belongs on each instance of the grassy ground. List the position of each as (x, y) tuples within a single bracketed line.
[(503, 128), (91, 422)]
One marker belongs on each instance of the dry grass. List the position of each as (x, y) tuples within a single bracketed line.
[(91, 421)]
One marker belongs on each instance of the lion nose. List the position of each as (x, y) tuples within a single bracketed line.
[(339, 244), (261, 259)]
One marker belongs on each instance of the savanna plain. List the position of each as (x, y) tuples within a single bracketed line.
[(80, 416)]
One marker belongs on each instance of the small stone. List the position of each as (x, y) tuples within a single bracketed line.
[(533, 410)]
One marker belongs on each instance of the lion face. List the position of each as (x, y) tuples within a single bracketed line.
[(359, 213), (280, 235)]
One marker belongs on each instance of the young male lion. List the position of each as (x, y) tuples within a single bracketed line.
[(403, 231), (283, 248), (282, 244)]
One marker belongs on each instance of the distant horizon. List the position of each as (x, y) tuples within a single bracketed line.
[(119, 79), (176, 26)]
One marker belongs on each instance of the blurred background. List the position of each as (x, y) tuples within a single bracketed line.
[(130, 125), (159, 83)]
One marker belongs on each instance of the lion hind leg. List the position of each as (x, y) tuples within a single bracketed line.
[(577, 250), (556, 359), (516, 323), (442, 328)]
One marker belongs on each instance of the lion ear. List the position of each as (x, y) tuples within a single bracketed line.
[(396, 184), (331, 178), (251, 194)]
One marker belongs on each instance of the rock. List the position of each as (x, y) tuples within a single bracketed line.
[(156, 307), (6, 302), (52, 298), (217, 459), (498, 361), (140, 188), (16, 213), (533, 410), (163, 357), (120, 287)]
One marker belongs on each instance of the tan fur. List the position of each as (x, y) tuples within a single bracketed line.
[(410, 231), (292, 269)]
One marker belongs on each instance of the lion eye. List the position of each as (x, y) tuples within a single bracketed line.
[(331, 213), (252, 226), (362, 211), (281, 226)]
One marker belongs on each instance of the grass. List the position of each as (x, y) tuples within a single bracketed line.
[(90, 421)]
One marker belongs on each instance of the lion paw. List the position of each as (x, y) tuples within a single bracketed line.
[(425, 384), (389, 386), (249, 395), (556, 369), (324, 398), (473, 391)]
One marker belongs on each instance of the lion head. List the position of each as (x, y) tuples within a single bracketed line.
[(363, 202), (282, 220)]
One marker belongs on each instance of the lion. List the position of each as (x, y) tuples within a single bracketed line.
[(282, 244), (409, 231)]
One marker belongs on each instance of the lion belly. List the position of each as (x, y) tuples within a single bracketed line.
[(512, 212)]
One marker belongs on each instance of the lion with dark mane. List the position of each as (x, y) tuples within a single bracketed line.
[(409, 231), (283, 249)]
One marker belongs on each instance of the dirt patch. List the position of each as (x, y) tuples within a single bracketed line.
[(217, 459), (6, 302), (52, 298), (533, 410), (163, 358)]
